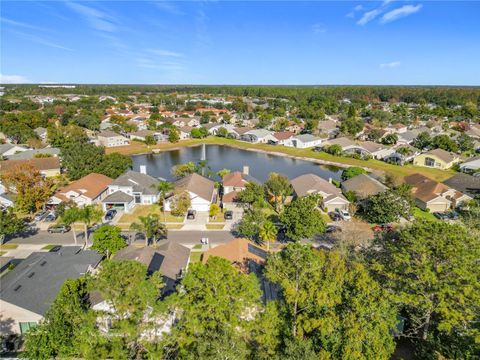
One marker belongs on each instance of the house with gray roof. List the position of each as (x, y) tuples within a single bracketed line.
[(7, 150), (258, 136), (35, 153), (311, 184), (303, 141), (130, 189), (363, 186), (28, 291), (200, 189)]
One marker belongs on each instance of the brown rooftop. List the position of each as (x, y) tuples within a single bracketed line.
[(237, 251), (40, 164), (90, 185)]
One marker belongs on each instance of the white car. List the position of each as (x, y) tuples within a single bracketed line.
[(344, 214)]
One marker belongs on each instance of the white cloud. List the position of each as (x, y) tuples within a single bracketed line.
[(161, 52), (13, 79), (318, 29), (19, 24), (169, 7), (41, 40), (390, 65), (358, 8), (400, 12), (96, 18), (368, 16)]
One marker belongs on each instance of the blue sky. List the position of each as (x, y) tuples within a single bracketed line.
[(233, 42)]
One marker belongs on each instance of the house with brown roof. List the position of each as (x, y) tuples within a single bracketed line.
[(91, 189), (169, 258), (200, 189), (235, 182), (363, 186), (282, 137), (311, 184), (49, 166), (437, 158), (240, 252), (432, 195)]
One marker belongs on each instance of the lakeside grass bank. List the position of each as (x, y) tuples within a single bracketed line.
[(136, 148)]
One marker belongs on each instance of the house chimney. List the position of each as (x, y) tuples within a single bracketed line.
[(330, 180), (143, 169), (246, 170)]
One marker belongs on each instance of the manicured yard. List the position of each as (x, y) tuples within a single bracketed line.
[(378, 165), (196, 257), (144, 210), (197, 247), (423, 215), (8, 247), (49, 247), (215, 226), (2, 253)]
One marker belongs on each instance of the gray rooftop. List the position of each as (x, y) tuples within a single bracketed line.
[(142, 183), (118, 197), (30, 154), (307, 138), (35, 282)]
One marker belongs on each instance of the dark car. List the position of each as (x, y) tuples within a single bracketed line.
[(441, 215), (50, 217), (334, 216), (110, 214), (60, 228), (228, 215), (55, 248), (40, 215), (332, 229), (191, 214), (453, 215)]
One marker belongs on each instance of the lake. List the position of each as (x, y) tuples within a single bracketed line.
[(219, 157)]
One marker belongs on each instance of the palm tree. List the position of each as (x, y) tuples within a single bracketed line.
[(268, 233), (164, 187), (151, 227), (69, 217), (88, 215)]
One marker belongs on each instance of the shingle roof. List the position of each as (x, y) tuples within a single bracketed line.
[(310, 183), (30, 154), (108, 133), (307, 138), (234, 179), (446, 156), (464, 183), (35, 282), (90, 186), (197, 184), (38, 163), (424, 188), (363, 185), (237, 250), (283, 135), (342, 141), (118, 197), (141, 183)]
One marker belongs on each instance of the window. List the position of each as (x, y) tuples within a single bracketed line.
[(25, 326), (429, 162)]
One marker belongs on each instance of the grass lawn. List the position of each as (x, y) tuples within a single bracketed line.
[(326, 218), (420, 214), (8, 247), (395, 170), (144, 210), (195, 257), (215, 226), (2, 253), (197, 247), (48, 247), (218, 219)]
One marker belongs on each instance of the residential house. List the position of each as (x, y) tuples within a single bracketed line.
[(141, 135), (311, 184), (402, 154), (295, 127), (213, 129), (329, 128), (363, 186), (200, 189), (304, 141), (258, 136), (185, 132), (235, 182), (283, 137), (437, 158), (375, 150), (10, 149), (35, 153), (345, 143), (169, 258), (90, 189), (240, 252), (108, 138), (471, 165), (464, 183), (397, 128), (130, 189), (28, 291), (48, 167), (432, 195)]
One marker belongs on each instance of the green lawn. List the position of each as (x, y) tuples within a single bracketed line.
[(195, 257), (8, 247), (215, 226), (423, 215), (400, 171), (197, 247), (2, 253), (144, 210)]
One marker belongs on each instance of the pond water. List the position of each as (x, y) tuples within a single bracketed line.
[(219, 157)]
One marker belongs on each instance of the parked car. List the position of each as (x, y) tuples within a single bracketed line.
[(204, 241), (110, 214), (332, 229), (228, 215), (40, 215), (191, 214), (334, 216), (453, 215), (50, 217), (344, 214), (59, 228), (55, 248), (441, 215)]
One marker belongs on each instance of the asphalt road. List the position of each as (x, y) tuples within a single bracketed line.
[(181, 237)]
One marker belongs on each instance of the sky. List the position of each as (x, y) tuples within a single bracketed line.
[(241, 42)]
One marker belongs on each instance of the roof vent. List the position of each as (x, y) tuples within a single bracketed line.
[(43, 263), (17, 287), (31, 275)]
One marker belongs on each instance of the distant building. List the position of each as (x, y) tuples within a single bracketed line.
[(438, 159), (363, 186), (48, 167), (304, 141), (108, 138)]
